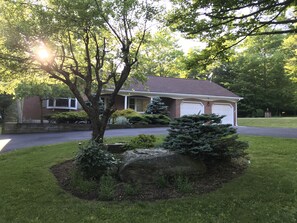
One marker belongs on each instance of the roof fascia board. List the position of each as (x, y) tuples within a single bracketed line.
[(176, 95)]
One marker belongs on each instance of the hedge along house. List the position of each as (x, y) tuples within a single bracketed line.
[(182, 96)]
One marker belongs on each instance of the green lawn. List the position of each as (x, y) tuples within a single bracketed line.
[(290, 122), (266, 193)]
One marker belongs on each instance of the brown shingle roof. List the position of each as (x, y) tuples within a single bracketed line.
[(181, 86)]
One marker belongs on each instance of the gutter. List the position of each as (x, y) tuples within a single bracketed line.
[(175, 95)]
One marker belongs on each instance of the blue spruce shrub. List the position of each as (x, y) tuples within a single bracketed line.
[(204, 137)]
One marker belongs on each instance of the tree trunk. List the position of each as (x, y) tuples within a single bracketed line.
[(99, 126), (20, 105), (41, 110)]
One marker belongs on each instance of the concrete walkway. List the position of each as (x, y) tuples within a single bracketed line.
[(13, 142)]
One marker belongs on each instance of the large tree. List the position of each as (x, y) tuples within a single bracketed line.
[(257, 73), (89, 45), (221, 21), (161, 55)]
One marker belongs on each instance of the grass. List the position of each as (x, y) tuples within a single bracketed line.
[(266, 193), (282, 122)]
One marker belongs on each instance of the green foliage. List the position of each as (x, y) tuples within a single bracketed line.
[(157, 106), (261, 78), (107, 187), (131, 189), (203, 137), (138, 119), (90, 45), (78, 182), (144, 119), (68, 117), (142, 142), (183, 184), (290, 47), (223, 24), (38, 87), (157, 119), (161, 55), (258, 113), (123, 113), (6, 101), (93, 159)]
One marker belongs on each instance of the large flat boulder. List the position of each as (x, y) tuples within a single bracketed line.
[(148, 165)]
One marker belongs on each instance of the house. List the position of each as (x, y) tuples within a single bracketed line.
[(182, 96)]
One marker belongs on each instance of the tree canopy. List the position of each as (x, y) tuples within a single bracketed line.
[(88, 45), (222, 21), (257, 73), (161, 55)]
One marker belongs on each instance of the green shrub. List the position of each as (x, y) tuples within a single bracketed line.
[(125, 113), (157, 119), (141, 119), (156, 106), (93, 160), (258, 113), (121, 120), (69, 117), (107, 187), (131, 190), (203, 137), (142, 142), (78, 182), (183, 184), (138, 119)]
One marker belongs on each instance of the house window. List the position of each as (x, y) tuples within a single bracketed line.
[(138, 104), (62, 103)]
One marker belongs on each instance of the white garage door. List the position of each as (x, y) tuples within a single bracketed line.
[(191, 108), (224, 109)]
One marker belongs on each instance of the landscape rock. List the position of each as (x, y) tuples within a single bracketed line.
[(148, 165)]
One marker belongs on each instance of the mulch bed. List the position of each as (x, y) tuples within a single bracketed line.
[(213, 179)]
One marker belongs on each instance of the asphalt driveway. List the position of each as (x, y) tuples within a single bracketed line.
[(13, 142)]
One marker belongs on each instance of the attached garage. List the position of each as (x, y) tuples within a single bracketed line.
[(191, 108), (224, 109)]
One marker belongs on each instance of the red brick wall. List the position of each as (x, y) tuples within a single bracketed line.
[(119, 102)]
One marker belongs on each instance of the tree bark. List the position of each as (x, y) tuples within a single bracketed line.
[(41, 110)]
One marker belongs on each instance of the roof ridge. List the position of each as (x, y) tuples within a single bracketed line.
[(179, 78)]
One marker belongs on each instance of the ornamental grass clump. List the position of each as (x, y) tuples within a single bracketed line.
[(204, 137)]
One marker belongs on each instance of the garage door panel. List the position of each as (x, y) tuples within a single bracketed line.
[(226, 110), (191, 108)]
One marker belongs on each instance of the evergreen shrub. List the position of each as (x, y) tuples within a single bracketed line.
[(138, 119), (157, 119), (204, 137), (157, 106)]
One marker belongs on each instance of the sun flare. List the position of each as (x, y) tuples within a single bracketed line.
[(43, 54)]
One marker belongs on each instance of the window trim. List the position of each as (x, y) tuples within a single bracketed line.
[(135, 103), (69, 107)]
